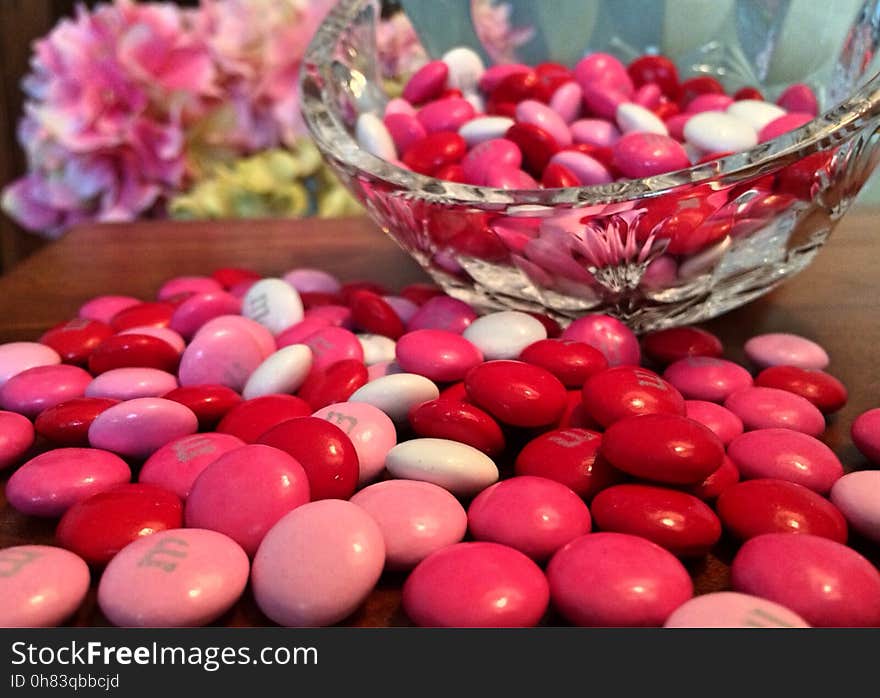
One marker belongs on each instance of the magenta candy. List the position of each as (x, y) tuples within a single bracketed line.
[(530, 111), (439, 355), (730, 609), (646, 154), (306, 280), (103, 308), (17, 357), (607, 334), (295, 334), (495, 74), (480, 159), (783, 124), (504, 177), (566, 101), (648, 95), (442, 313), (330, 315), (16, 437), (332, 344), (826, 583), (476, 585), (405, 130), (588, 170), (40, 586), (130, 383), (445, 114), (426, 83), (709, 102), (196, 310), (183, 577), (37, 389), (595, 132), (781, 349), (617, 580), (263, 338), (799, 98), (603, 68), (707, 378), (726, 425), (138, 428), (416, 519), (345, 554), (220, 354), (534, 515), (52, 482), (866, 434), (185, 285), (176, 465), (766, 408), (786, 455), (603, 99)]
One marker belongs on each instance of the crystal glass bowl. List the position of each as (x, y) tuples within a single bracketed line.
[(740, 224)]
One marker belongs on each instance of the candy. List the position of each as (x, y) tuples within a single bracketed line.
[(336, 383), (98, 527), (39, 388), (167, 335), (457, 467), (663, 447), (183, 577), (308, 280), (595, 132), (245, 492), (823, 390), (282, 372), (570, 361), (274, 304), (534, 143), (396, 394), (371, 313), (607, 334), (476, 585), (655, 69), (488, 154), (445, 115), (712, 102), (568, 456), (799, 98), (187, 285), (426, 83), (404, 129), (137, 428), (718, 132), (624, 391), (781, 349), (646, 154), (566, 101), (707, 378), (730, 609), (866, 434), (220, 354), (856, 496), (440, 355), (458, 421), (615, 579), (516, 393), (330, 345), (103, 308), (726, 425), (130, 383), (755, 112), (530, 111), (198, 309), (442, 313), (373, 136), (416, 519), (783, 124), (16, 437), (176, 465), (133, 350), (210, 403), (76, 339), (531, 514), (40, 586), (674, 520), (505, 177), (377, 348), (634, 118), (668, 346), (52, 482), (434, 151), (17, 357), (826, 583), (588, 170), (726, 476), (766, 408), (318, 564), (754, 507)]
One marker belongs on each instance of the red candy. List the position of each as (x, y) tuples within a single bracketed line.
[(324, 451), (143, 315), (556, 176), (99, 527), (459, 421), (674, 520), (434, 151), (516, 393), (694, 87), (571, 362), (726, 476), (76, 339), (251, 419), (663, 447), (67, 424), (823, 390), (625, 391), (668, 346), (568, 456), (133, 351), (537, 146), (333, 384), (658, 70), (210, 403), (371, 313)]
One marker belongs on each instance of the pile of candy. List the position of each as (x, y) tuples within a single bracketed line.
[(304, 435), (512, 126)]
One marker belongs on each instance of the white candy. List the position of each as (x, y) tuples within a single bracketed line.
[(457, 467), (377, 348), (504, 335), (718, 132), (705, 260), (465, 68), (634, 118), (755, 112), (274, 303), (475, 99), (281, 373), (373, 136), (396, 394), (484, 128)]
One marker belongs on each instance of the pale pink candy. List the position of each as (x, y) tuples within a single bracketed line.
[(494, 74), (295, 334), (634, 117), (345, 551), (166, 334), (263, 337), (866, 434), (336, 315), (187, 284), (426, 82), (332, 344), (16, 357), (306, 280), (799, 98), (609, 335), (783, 124), (506, 177), (16, 437), (726, 425), (221, 354), (709, 102), (588, 170), (782, 349), (730, 609), (39, 388), (416, 519), (40, 586), (603, 68), (595, 132), (371, 431), (857, 495), (443, 313), (383, 368), (766, 408), (660, 274), (498, 151), (176, 465), (175, 578), (404, 307), (405, 130), (398, 105), (707, 378), (49, 484), (566, 101), (448, 114), (137, 428), (191, 315), (530, 111), (130, 383), (603, 99), (648, 95), (103, 308)]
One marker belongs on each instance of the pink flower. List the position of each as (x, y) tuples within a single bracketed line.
[(492, 26), (400, 50)]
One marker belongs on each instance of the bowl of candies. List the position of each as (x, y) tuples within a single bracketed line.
[(662, 162)]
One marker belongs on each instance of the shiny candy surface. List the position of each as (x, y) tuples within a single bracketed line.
[(133, 350), (568, 456), (668, 346), (76, 339), (198, 309), (183, 577), (476, 585), (730, 609), (767, 408), (16, 437), (39, 388), (866, 434), (439, 355), (823, 390), (318, 564), (16, 357), (570, 361), (210, 403), (67, 424), (457, 467), (250, 419), (130, 383), (150, 314), (281, 372), (396, 394), (336, 383), (458, 421), (516, 393), (137, 428), (707, 378), (371, 431), (726, 476), (781, 349), (103, 308), (274, 304), (857, 496), (503, 335), (442, 313), (607, 334), (332, 344), (726, 425), (625, 391), (221, 354)]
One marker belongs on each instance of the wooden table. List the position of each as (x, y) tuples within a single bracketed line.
[(834, 302)]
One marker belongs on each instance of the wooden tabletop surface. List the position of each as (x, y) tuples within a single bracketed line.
[(835, 302)]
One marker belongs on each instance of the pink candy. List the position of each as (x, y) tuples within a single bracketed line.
[(607, 334), (16, 437), (766, 408), (707, 378), (137, 428), (39, 388)]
